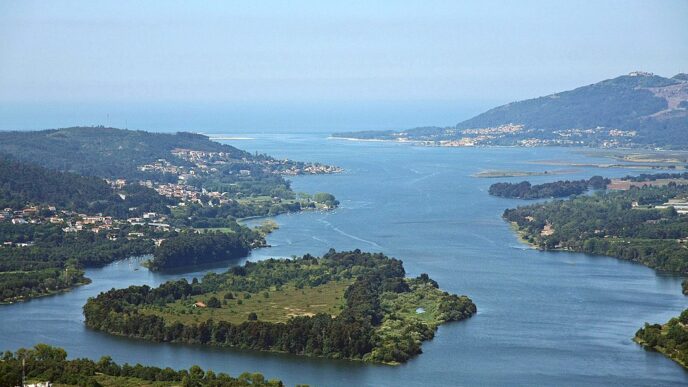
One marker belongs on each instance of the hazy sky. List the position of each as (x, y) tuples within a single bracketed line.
[(453, 52)]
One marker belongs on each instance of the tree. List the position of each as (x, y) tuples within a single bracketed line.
[(213, 302)]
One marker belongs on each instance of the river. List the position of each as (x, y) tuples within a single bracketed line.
[(544, 318)]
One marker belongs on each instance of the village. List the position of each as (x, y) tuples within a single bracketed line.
[(73, 222)]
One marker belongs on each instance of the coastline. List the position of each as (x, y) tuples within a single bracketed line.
[(659, 349)]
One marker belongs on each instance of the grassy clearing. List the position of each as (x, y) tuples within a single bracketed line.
[(271, 305)]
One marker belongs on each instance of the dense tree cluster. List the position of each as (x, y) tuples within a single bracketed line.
[(617, 224), (23, 183), (671, 339), (47, 363), (326, 199), (54, 259), (105, 152), (557, 189), (352, 334), (656, 176), (189, 249)]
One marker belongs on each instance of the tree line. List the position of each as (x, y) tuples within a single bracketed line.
[(618, 224), (47, 363), (557, 189)]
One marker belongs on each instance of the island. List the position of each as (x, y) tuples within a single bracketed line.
[(86, 196), (47, 364), (640, 110), (345, 305)]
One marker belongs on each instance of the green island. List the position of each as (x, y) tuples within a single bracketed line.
[(345, 305), (671, 339), (86, 196), (45, 363)]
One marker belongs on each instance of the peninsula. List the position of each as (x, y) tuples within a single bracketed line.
[(348, 305)]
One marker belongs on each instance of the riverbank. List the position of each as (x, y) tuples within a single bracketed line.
[(85, 281)]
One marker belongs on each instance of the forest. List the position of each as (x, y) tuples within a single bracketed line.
[(54, 259), (24, 183), (557, 189), (190, 248), (45, 363), (377, 320), (105, 152), (620, 224)]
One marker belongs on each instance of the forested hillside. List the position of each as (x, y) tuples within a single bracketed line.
[(104, 152), (24, 183)]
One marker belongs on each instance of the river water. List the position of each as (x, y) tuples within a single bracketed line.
[(545, 318)]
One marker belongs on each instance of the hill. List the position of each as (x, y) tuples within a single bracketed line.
[(22, 184), (639, 109), (105, 152)]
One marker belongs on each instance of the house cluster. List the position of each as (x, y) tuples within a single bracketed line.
[(502, 129), (164, 166), (150, 219), (116, 183), (79, 222), (28, 214), (183, 192)]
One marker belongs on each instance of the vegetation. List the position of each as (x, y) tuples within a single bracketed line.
[(271, 306), (621, 224), (46, 363), (52, 180), (22, 183), (656, 176), (583, 116), (189, 249), (105, 152), (276, 304), (671, 339), (53, 260), (557, 189)]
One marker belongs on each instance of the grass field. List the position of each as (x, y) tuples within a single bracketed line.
[(271, 306)]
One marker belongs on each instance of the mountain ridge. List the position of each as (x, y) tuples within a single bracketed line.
[(638, 109)]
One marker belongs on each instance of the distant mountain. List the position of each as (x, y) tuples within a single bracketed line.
[(639, 109)]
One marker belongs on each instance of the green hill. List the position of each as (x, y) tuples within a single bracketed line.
[(639, 109), (648, 104), (24, 183), (104, 152)]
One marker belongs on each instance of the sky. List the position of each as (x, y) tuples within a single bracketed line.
[(315, 64)]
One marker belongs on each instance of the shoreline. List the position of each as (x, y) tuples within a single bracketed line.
[(658, 349), (48, 294)]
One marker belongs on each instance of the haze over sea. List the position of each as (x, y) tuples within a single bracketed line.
[(275, 117), (545, 318)]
